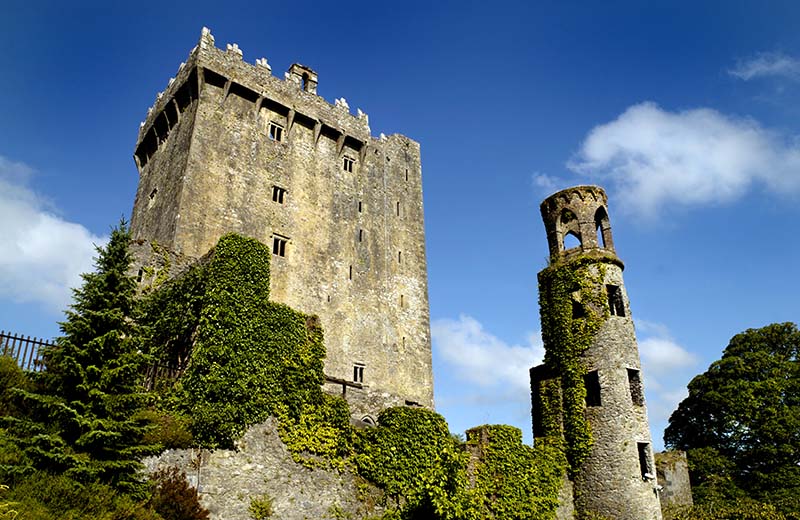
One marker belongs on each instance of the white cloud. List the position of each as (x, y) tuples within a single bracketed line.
[(767, 64), (43, 254), (481, 358), (654, 158), (667, 369)]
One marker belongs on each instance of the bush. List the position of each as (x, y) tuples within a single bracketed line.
[(260, 508), (173, 497)]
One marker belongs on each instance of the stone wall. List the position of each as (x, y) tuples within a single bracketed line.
[(227, 480), (350, 213), (672, 470)]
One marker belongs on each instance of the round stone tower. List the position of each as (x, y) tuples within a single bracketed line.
[(593, 361)]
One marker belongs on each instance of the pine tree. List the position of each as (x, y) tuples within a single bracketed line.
[(82, 414)]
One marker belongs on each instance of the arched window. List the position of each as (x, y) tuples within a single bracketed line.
[(603, 227), (571, 240)]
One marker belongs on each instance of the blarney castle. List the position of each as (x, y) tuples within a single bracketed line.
[(229, 147)]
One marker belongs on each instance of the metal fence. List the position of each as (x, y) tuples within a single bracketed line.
[(27, 351)]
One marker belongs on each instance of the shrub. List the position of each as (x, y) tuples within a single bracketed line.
[(173, 497)]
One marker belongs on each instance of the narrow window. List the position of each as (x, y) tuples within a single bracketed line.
[(592, 383), (644, 460), (635, 384), (404, 342), (578, 311), (359, 206), (615, 304), (360, 235), (398, 208), (350, 276), (406, 173), (399, 257), (401, 300), (279, 245), (278, 194), (139, 276), (358, 373), (304, 82), (153, 193), (275, 131), (347, 164)]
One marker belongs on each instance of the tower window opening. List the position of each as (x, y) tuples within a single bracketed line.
[(615, 304), (635, 384), (153, 193), (360, 235), (603, 228), (348, 164), (401, 300), (139, 276), (279, 245), (275, 131), (278, 194), (644, 460), (578, 311), (399, 257), (406, 173), (359, 206), (398, 208), (350, 276), (304, 82), (571, 241), (592, 383)]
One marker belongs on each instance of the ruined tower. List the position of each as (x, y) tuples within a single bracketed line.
[(589, 389), (228, 147)]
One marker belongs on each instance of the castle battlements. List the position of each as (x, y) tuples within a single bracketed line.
[(255, 83)]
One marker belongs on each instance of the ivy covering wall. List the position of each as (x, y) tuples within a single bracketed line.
[(250, 358)]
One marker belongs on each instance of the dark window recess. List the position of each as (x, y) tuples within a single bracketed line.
[(350, 276), (401, 300), (139, 276), (347, 164), (360, 235), (278, 194), (279, 245), (399, 257), (406, 173), (644, 460), (359, 206), (578, 311), (153, 193), (592, 383), (398, 209), (275, 131), (358, 373), (615, 304), (635, 383)]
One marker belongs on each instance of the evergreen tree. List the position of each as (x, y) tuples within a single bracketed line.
[(82, 413)]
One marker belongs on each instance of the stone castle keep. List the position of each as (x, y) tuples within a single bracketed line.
[(228, 147)]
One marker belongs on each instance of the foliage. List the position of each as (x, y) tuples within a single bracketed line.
[(735, 510), (171, 430), (741, 420), (411, 455), (513, 480), (173, 497), (80, 418), (7, 511), (250, 358), (260, 508), (43, 496), (566, 338), (11, 377)]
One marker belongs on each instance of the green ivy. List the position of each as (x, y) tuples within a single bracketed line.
[(566, 338)]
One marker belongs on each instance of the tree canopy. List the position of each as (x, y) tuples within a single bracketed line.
[(741, 421)]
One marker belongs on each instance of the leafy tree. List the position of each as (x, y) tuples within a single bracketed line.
[(81, 413), (741, 421), (174, 498)]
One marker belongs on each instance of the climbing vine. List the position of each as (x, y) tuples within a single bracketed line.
[(573, 309)]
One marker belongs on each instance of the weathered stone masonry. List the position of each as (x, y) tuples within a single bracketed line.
[(617, 480), (228, 147)]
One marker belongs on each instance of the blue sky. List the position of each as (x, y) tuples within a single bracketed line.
[(687, 113)]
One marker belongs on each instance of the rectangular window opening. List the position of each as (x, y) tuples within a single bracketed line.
[(578, 311), (615, 304), (348, 164), (275, 131), (398, 208), (401, 300), (399, 257), (644, 460), (635, 384), (350, 276), (406, 173), (592, 383), (358, 373), (360, 235), (278, 194), (279, 245), (359, 206)]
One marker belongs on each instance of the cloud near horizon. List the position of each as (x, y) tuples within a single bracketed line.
[(653, 159), (43, 254), (767, 64)]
